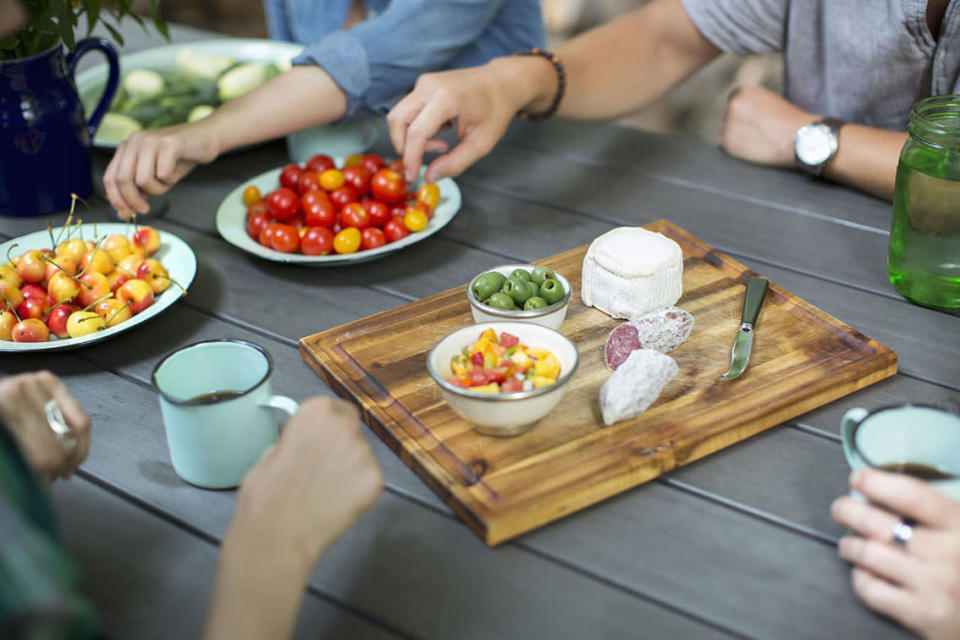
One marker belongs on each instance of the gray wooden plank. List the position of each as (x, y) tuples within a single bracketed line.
[(149, 579)]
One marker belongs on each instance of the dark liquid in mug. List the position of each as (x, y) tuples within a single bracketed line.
[(216, 396), (917, 470)]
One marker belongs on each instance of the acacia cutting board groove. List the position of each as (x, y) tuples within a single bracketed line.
[(502, 487)]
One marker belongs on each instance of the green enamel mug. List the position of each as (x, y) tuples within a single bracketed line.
[(218, 410), (914, 439)]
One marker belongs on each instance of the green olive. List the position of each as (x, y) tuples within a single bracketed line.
[(501, 301), (542, 273), (521, 273), (536, 302), (551, 290), (519, 289), (487, 285)]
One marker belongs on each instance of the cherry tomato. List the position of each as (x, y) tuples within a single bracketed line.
[(320, 214), (398, 211), (395, 230), (320, 163), (388, 186), (331, 179), (266, 234), (354, 215), (257, 224), (419, 206), (428, 194), (290, 176), (347, 241), (379, 212), (285, 238), (372, 163), (353, 160), (317, 241), (415, 219), (297, 222), (283, 203), (358, 179), (316, 195), (371, 238), (396, 165), (257, 207), (251, 195), (342, 197), (309, 181)]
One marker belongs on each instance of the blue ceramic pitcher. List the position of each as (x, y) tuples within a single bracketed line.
[(44, 138)]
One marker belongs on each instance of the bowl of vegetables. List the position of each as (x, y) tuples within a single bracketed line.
[(520, 292), (503, 377)]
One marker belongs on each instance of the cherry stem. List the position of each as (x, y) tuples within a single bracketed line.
[(97, 301), (10, 306), (53, 243), (9, 249), (157, 275), (96, 248), (73, 199), (117, 312), (66, 224)]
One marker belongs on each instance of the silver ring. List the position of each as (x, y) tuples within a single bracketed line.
[(902, 532), (64, 434)]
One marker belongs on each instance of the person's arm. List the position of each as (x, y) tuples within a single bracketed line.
[(301, 496), (611, 70), (759, 126)]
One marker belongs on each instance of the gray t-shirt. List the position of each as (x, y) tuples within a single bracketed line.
[(864, 61)]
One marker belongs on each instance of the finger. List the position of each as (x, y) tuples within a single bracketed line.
[(907, 496), (145, 172), (426, 125), (881, 596), (167, 162), (400, 117), (883, 560), (110, 185), (452, 164), (78, 421), (126, 174), (437, 145)]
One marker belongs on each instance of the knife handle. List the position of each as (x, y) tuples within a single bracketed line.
[(756, 289)]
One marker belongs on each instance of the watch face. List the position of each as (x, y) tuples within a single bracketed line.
[(815, 144)]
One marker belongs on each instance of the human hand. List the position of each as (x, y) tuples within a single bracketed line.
[(151, 162), (308, 488), (23, 399), (918, 583), (759, 126)]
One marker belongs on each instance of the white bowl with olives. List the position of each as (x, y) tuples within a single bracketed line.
[(520, 292)]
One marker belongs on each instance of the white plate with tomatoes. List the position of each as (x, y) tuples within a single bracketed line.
[(174, 254), (233, 220)]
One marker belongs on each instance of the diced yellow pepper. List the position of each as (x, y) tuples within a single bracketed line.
[(460, 365), (542, 381), (493, 387), (521, 360), (490, 335), (547, 366), (538, 352), (480, 346)]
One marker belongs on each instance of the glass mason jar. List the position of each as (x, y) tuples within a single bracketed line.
[(924, 259)]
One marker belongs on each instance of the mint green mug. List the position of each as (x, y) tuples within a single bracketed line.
[(217, 407), (918, 440)]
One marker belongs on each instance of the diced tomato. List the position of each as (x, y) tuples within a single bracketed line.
[(507, 340), (497, 374), (477, 378), (477, 358), (511, 385), (456, 381)]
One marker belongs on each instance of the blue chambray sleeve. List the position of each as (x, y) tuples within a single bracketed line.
[(741, 27), (380, 58)]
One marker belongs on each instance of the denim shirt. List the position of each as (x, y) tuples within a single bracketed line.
[(379, 59)]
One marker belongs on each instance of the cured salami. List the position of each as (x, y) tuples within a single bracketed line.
[(635, 385), (662, 330)]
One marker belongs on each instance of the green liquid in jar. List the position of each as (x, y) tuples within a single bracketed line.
[(924, 259)]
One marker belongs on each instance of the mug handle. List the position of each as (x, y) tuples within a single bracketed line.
[(848, 425), (100, 44), (283, 403)]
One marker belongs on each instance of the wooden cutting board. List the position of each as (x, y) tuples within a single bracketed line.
[(502, 487)]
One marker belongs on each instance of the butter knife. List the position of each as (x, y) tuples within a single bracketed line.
[(740, 354)]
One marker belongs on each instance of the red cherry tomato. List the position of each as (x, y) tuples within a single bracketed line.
[(358, 179), (284, 238), (266, 235), (314, 195), (255, 208), (354, 215), (371, 238), (320, 163), (257, 223), (372, 163), (419, 206), (388, 186), (317, 241), (395, 230), (309, 181), (397, 211), (342, 196), (283, 203), (396, 165), (290, 176), (379, 212), (320, 214)]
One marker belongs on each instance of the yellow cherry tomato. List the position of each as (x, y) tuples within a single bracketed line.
[(251, 196), (353, 160), (414, 219), (331, 179), (347, 241), (429, 194)]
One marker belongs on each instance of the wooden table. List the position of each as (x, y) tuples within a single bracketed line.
[(738, 544)]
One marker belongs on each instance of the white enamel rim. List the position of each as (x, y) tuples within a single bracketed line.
[(90, 82), (175, 255), (232, 225), (521, 314)]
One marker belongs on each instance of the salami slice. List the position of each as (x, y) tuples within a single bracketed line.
[(662, 330), (622, 342)]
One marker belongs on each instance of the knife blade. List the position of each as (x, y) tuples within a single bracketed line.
[(742, 344)]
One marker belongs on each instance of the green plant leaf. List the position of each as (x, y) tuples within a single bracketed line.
[(64, 18), (158, 19), (113, 32), (93, 14)]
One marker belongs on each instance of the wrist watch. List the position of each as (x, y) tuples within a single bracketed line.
[(815, 145)]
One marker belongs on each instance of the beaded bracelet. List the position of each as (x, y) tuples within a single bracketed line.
[(561, 84)]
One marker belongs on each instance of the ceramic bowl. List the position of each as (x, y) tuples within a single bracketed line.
[(503, 414), (550, 316)]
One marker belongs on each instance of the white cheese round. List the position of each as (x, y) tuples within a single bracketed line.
[(629, 271)]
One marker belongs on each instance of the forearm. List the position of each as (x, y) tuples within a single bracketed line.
[(867, 159), (303, 97)]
